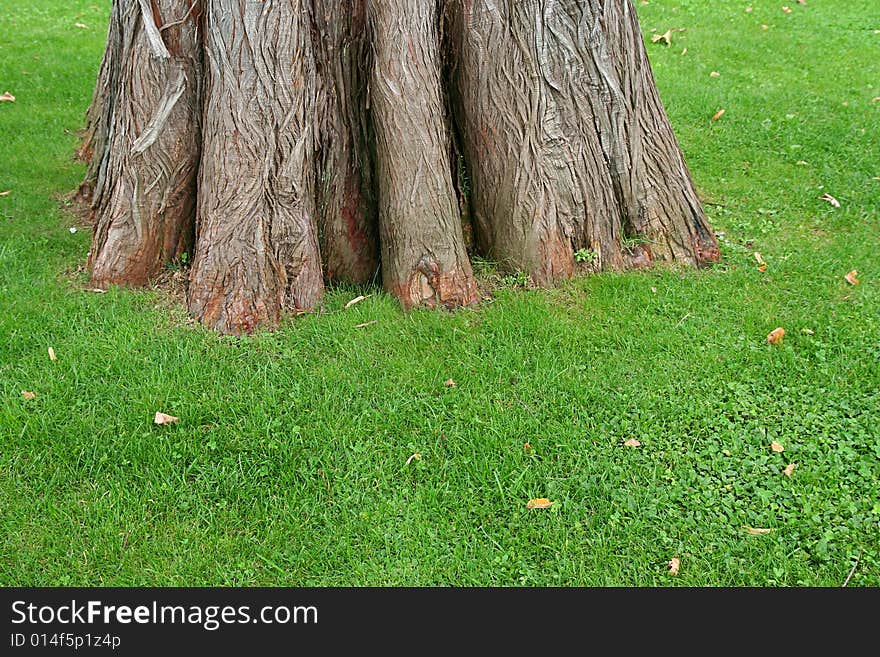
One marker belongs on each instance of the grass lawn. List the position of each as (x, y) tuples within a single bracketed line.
[(329, 455)]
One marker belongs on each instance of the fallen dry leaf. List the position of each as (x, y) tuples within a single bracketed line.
[(757, 531), (808, 331), (6, 193), (632, 442), (714, 74), (833, 201), (354, 301), (789, 470), (786, 10), (674, 566), (776, 335), (28, 395), (81, 26), (7, 98), (802, 2), (162, 418), (539, 503), (717, 115), (684, 51), (414, 457), (876, 99), (449, 383), (666, 36), (759, 259), (765, 27), (366, 324), (852, 277), (52, 354), (527, 447), (776, 447)]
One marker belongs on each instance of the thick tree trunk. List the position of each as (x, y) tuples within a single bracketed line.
[(568, 145), (424, 260), (317, 138), (145, 197), (347, 219), (257, 250)]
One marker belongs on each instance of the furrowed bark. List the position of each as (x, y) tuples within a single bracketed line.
[(145, 188), (424, 261), (347, 220), (567, 143), (96, 137), (257, 249)]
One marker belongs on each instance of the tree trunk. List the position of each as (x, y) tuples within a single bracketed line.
[(257, 250), (328, 140)]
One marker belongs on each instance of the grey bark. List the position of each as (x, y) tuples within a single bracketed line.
[(144, 197), (566, 140), (257, 243), (424, 261)]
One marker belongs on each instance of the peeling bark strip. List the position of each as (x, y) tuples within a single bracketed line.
[(424, 261), (347, 220), (257, 249), (144, 198), (566, 139)]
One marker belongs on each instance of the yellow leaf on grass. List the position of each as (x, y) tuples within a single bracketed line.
[(789, 470), (7, 98), (776, 447), (632, 442), (717, 115), (674, 566), (354, 301), (28, 395), (52, 354), (666, 37), (6, 193), (539, 503), (162, 418), (757, 531), (449, 383), (776, 335), (852, 277)]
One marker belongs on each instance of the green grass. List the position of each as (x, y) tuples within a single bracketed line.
[(289, 465)]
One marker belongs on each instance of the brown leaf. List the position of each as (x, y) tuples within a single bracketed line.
[(632, 442), (414, 457), (162, 418), (666, 36), (762, 268), (7, 98), (789, 470), (527, 447), (354, 301), (776, 447), (717, 115), (52, 354), (539, 503), (449, 383), (757, 531), (28, 395), (759, 259), (366, 324), (833, 201), (776, 335), (674, 566), (852, 277)]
